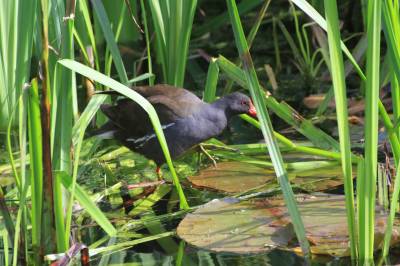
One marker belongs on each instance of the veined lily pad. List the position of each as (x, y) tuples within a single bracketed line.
[(254, 226), (236, 177), (233, 177)]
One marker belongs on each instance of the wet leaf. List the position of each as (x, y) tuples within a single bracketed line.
[(237, 177), (253, 226), (233, 177), (313, 101), (231, 226)]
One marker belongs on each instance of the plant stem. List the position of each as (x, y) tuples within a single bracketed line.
[(48, 229)]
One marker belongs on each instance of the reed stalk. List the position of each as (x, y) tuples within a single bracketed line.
[(339, 85)]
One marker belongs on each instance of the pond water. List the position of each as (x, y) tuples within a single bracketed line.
[(152, 254), (174, 251), (193, 256)]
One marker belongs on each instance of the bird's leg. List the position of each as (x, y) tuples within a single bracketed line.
[(208, 155), (158, 172)]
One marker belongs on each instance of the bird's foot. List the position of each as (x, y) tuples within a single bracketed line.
[(219, 147), (208, 155)]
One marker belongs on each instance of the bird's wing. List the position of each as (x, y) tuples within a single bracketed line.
[(128, 116), (169, 102)]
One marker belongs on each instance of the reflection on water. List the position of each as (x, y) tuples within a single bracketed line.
[(151, 254), (196, 257)]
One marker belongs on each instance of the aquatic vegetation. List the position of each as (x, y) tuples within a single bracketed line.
[(70, 197)]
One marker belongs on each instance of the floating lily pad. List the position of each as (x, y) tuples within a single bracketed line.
[(233, 177), (232, 226), (236, 177), (254, 226)]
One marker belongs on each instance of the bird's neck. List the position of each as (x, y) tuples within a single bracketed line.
[(222, 105)]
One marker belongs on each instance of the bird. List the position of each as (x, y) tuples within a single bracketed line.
[(185, 119)]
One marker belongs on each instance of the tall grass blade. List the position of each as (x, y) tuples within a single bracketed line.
[(20, 230), (6, 244), (63, 115), (367, 204), (339, 85), (5, 214), (211, 81), (172, 22), (391, 26), (266, 127), (147, 33), (109, 36), (17, 21), (391, 132), (250, 38), (36, 165)]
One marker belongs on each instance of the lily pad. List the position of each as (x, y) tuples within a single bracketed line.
[(237, 177), (253, 226), (233, 177)]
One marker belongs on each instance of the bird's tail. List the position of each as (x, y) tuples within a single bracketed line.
[(106, 131)]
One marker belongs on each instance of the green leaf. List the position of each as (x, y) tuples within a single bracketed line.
[(339, 86), (85, 201), (266, 126)]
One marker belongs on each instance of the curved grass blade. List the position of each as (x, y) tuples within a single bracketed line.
[(109, 36), (106, 81)]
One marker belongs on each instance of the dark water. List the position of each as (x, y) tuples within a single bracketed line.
[(192, 256), (189, 255), (178, 252)]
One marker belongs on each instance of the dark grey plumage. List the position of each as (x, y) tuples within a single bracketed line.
[(186, 120)]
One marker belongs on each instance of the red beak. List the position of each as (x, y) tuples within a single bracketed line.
[(252, 110)]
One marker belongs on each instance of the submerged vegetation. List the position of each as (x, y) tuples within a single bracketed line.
[(295, 181)]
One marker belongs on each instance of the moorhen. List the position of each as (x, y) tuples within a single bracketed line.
[(186, 120)]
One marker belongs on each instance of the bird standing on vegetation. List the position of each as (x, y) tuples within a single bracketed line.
[(186, 120)]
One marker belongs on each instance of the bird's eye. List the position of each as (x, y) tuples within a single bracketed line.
[(243, 102)]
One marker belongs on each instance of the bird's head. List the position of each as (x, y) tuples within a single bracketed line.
[(239, 103)]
